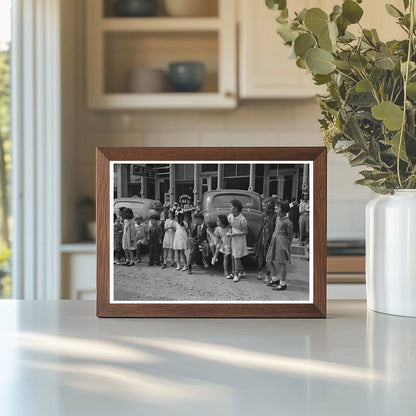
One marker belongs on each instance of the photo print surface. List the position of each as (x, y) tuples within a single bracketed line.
[(221, 232)]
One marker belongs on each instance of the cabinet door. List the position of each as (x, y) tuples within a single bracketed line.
[(265, 68), (266, 71)]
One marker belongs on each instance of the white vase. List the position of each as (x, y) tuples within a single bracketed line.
[(391, 253)]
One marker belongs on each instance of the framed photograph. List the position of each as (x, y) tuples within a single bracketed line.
[(211, 232)]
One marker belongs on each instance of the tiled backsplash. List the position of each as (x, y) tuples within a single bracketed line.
[(271, 123)]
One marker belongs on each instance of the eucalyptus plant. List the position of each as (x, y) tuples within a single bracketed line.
[(369, 111)]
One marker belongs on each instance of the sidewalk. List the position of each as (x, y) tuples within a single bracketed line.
[(151, 283)]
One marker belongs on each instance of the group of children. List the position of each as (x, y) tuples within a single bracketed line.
[(185, 240)]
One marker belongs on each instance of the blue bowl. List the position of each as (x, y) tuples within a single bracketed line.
[(186, 76), (135, 8)]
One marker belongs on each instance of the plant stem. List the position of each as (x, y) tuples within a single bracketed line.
[(405, 81)]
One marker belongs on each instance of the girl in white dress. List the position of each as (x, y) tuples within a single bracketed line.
[(239, 231), (224, 244), (170, 229), (180, 241)]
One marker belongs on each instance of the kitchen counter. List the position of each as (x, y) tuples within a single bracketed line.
[(57, 358)]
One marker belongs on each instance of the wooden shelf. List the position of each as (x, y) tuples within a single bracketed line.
[(197, 100), (346, 264), (160, 24)]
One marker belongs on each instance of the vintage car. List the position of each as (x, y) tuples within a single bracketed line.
[(215, 203), (139, 206)]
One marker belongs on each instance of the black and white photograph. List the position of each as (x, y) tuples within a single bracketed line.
[(211, 232)]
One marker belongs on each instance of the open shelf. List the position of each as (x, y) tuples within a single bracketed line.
[(209, 9), (160, 24), (127, 51), (116, 46)]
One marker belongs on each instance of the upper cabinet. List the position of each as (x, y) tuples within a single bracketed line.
[(264, 66), (160, 61)]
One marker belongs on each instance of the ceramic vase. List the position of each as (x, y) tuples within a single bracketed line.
[(391, 253)]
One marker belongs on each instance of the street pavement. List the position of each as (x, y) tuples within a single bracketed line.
[(142, 282)]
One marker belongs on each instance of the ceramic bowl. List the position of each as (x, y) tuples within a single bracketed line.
[(135, 8), (191, 8), (186, 76), (147, 80)]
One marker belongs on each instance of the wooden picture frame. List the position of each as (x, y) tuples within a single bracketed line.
[(313, 159)]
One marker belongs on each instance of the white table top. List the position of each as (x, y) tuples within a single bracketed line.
[(57, 358)]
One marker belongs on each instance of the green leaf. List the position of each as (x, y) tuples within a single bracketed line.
[(303, 43), (276, 4), (411, 90), (325, 42), (351, 11), (347, 37), (358, 61), (406, 4), (319, 61), (343, 145), (316, 20), (394, 145), (285, 13), (336, 12), (363, 86), (287, 33), (375, 35), (391, 114), (321, 79), (342, 25), (384, 62), (374, 174), (301, 63), (393, 11), (301, 15), (344, 65), (359, 160)]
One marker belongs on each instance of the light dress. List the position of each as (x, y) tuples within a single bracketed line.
[(180, 241), (221, 233), (238, 243), (169, 234)]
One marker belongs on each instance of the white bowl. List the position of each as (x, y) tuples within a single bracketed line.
[(191, 8), (147, 80)]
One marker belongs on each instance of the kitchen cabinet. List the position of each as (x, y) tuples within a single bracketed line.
[(265, 67), (118, 45), (265, 70)]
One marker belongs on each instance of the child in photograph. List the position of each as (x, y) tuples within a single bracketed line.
[(198, 237), (170, 228), (239, 231), (118, 240), (129, 236), (209, 246), (180, 240), (278, 254), (223, 244), (140, 237), (268, 223), (154, 238), (304, 218)]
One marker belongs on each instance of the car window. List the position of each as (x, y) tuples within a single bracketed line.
[(223, 201)]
